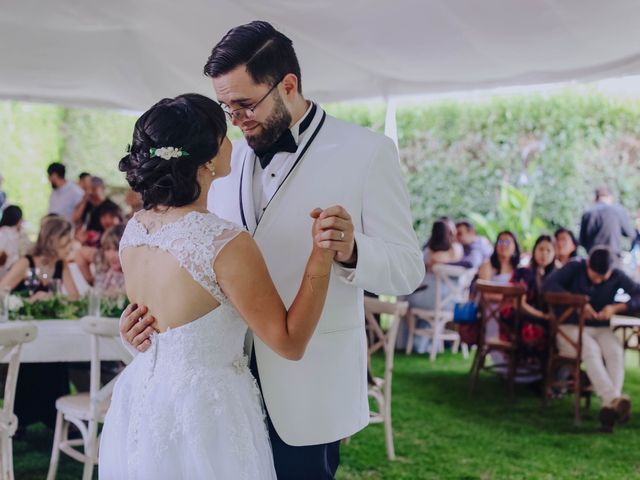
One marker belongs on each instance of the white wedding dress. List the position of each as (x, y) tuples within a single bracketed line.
[(188, 408)]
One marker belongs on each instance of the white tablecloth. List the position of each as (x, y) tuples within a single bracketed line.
[(624, 321), (63, 341)]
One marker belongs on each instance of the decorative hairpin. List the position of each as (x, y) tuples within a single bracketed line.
[(167, 153)]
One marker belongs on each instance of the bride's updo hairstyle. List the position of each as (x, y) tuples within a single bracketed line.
[(194, 126)]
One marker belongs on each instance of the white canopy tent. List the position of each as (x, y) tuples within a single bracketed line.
[(130, 53)]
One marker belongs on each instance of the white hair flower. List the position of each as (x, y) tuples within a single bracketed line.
[(167, 153)]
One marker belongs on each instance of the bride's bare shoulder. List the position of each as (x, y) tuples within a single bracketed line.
[(241, 244), (240, 256)]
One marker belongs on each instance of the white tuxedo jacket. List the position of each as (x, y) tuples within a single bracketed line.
[(323, 397)]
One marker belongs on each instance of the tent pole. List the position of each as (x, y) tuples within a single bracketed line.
[(390, 124)]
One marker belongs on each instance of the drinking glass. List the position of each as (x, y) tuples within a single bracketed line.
[(95, 297), (5, 293), (32, 280)]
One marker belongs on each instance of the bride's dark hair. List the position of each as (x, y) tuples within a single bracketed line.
[(191, 122)]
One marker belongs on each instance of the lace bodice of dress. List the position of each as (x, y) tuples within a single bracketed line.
[(194, 379), (194, 240)]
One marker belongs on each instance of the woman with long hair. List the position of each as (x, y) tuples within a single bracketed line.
[(46, 265), (503, 261), (534, 308), (566, 246), (40, 384), (542, 264)]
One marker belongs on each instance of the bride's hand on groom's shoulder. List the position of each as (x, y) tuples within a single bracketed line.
[(333, 230), (136, 327)]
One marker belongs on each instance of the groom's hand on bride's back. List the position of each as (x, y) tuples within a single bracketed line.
[(136, 327)]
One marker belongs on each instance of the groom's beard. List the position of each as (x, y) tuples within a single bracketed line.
[(273, 126)]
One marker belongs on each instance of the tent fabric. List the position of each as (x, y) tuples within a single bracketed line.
[(130, 53)]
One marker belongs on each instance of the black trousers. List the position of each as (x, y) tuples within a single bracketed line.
[(309, 462)]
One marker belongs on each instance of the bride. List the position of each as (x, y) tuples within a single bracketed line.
[(188, 408)]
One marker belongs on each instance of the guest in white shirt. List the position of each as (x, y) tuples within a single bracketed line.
[(65, 195)]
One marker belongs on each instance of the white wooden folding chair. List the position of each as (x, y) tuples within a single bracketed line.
[(12, 336), (86, 410), (380, 388), (452, 286)]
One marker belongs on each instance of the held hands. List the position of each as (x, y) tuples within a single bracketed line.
[(334, 230), (603, 315), (590, 313), (323, 252), (606, 313)]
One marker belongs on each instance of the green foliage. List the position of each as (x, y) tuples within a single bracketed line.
[(513, 212), (30, 136), (370, 116), (59, 307), (456, 155), (95, 141), (555, 148)]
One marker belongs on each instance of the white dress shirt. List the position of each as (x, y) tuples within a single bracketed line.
[(266, 181)]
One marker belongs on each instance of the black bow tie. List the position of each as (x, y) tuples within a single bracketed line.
[(284, 143)]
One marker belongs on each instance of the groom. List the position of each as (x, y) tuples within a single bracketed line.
[(293, 158)]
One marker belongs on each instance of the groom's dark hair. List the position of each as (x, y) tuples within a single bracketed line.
[(267, 54)]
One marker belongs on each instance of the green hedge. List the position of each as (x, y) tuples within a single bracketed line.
[(556, 148), (455, 155)]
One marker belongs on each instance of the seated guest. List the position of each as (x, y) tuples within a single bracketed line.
[(40, 384), (13, 241), (109, 277), (109, 214), (101, 267), (500, 268), (534, 327), (477, 249), (49, 258), (441, 248), (566, 246), (602, 351), (533, 276), (86, 213), (503, 261)]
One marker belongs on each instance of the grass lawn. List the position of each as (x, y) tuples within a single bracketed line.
[(441, 433)]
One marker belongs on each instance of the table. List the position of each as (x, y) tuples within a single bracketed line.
[(630, 327), (64, 341)]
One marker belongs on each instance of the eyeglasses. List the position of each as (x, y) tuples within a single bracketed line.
[(505, 242), (238, 113)]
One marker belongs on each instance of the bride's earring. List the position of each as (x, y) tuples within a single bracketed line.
[(211, 167)]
